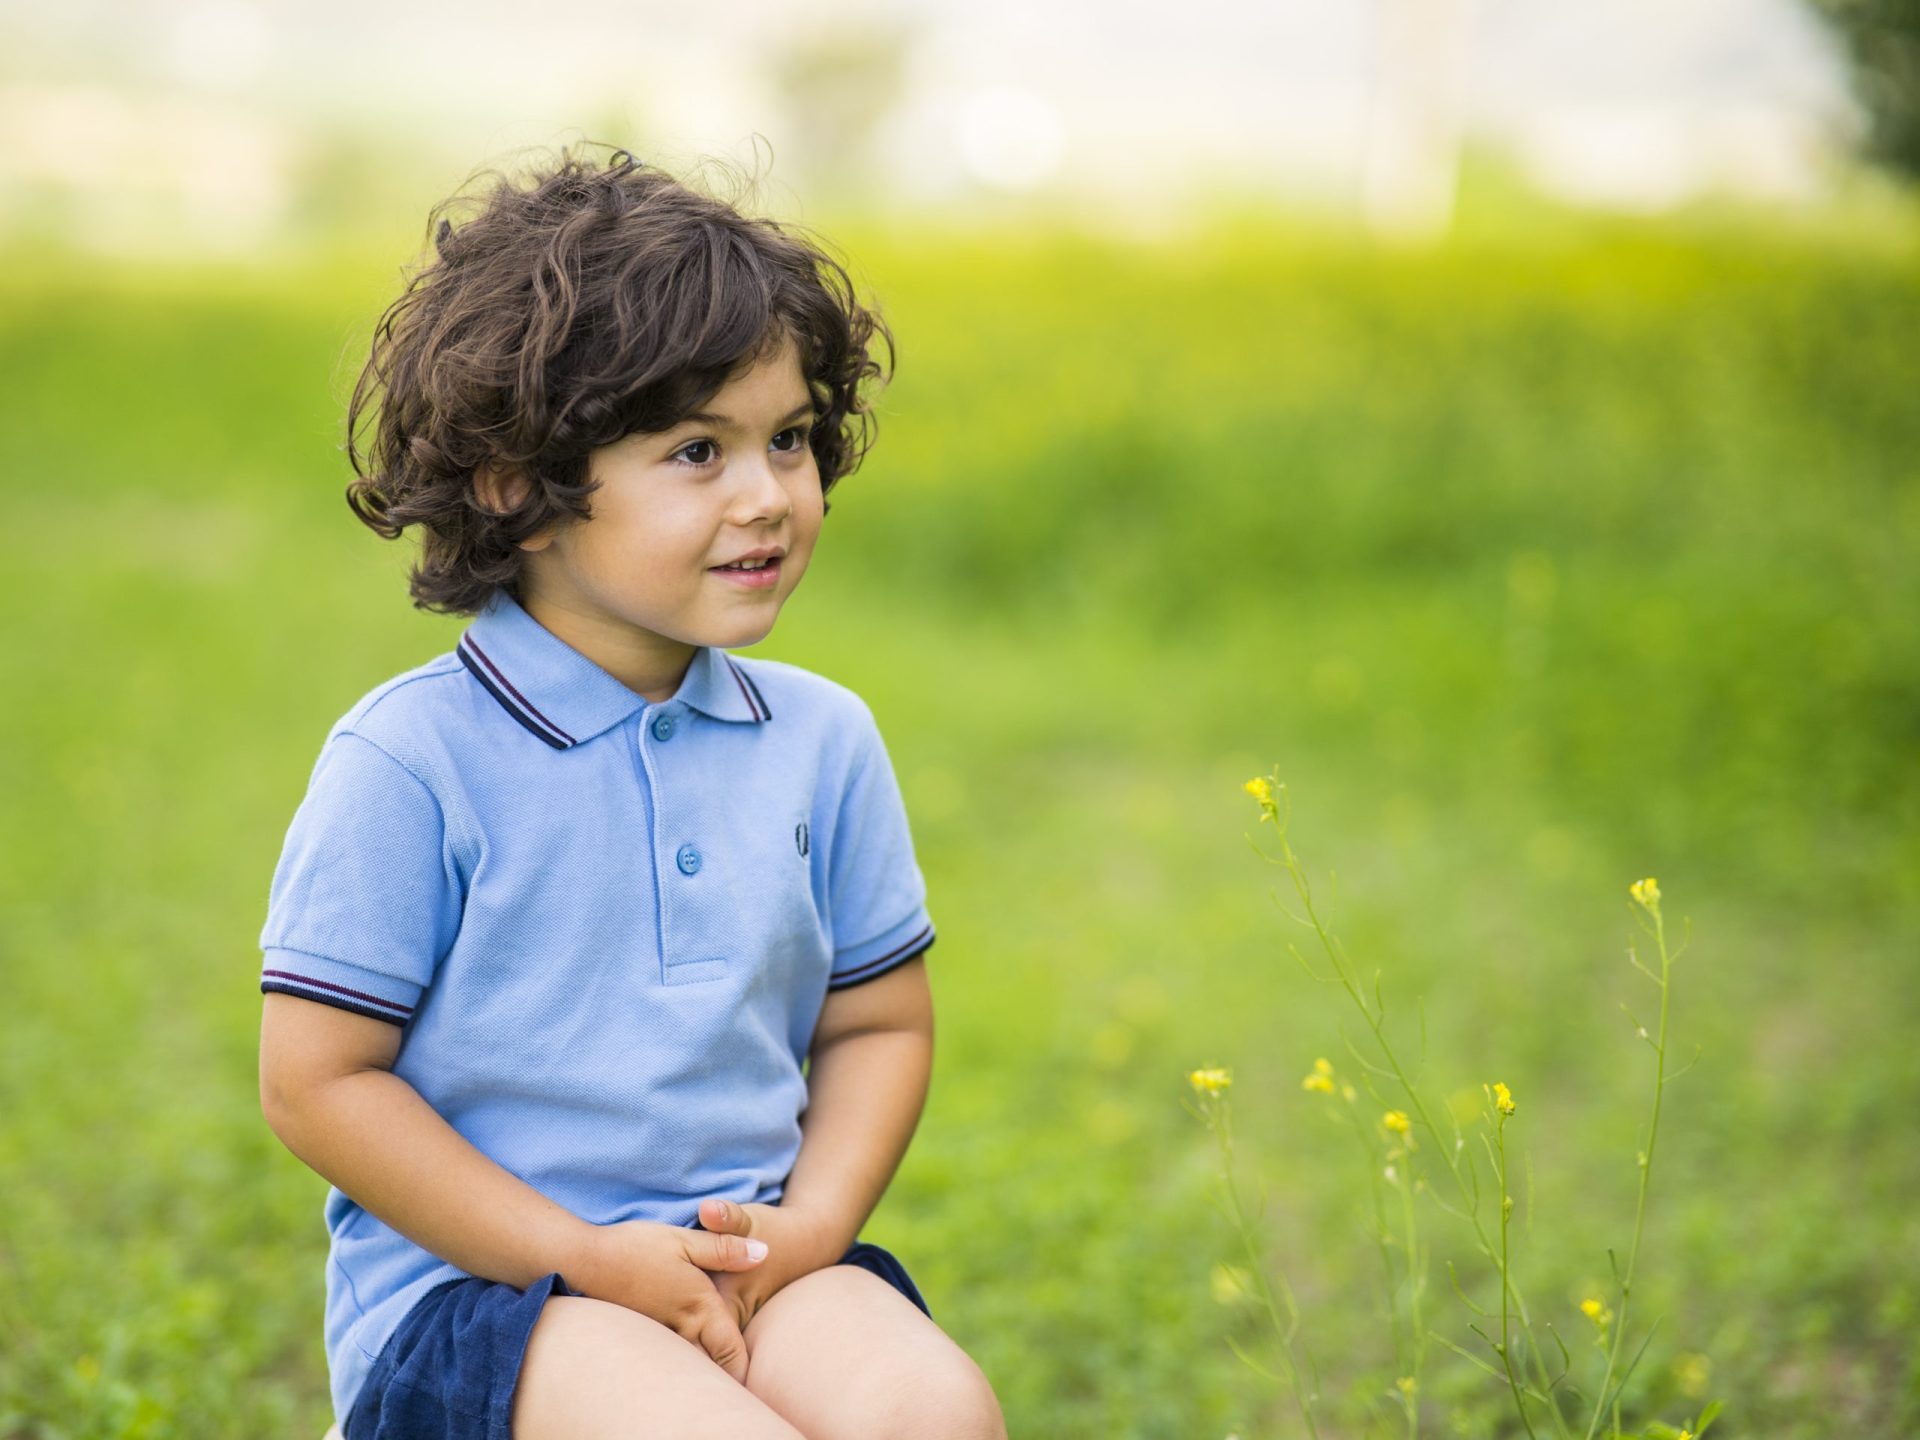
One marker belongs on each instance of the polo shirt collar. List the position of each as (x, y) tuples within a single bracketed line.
[(561, 696)]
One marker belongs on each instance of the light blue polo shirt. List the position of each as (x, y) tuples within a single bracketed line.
[(605, 926)]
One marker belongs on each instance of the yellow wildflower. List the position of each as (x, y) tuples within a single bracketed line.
[(1317, 1081), (1503, 1098), (1210, 1080), (1407, 1384), (1230, 1284), (1260, 788), (1596, 1312), (1396, 1121), (1692, 1371), (1646, 892), (1685, 1434)]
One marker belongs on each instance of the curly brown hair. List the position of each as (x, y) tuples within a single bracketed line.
[(589, 301)]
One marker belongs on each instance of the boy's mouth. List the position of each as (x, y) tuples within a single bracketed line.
[(754, 574)]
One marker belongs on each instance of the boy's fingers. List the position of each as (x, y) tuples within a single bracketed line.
[(724, 1215), (723, 1252), (720, 1337)]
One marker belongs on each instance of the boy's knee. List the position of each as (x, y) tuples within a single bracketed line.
[(965, 1408), (950, 1401)]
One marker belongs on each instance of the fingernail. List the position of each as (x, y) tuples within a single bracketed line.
[(756, 1249)]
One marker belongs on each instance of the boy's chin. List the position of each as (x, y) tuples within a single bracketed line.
[(740, 634)]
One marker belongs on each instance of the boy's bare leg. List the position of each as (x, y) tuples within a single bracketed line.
[(845, 1356), (597, 1371)]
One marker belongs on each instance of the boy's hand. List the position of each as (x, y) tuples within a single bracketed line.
[(661, 1270), (797, 1244)]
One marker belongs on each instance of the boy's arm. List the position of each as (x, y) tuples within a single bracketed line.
[(871, 1058), (328, 1090)]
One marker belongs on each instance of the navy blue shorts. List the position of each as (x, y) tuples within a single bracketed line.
[(449, 1371)]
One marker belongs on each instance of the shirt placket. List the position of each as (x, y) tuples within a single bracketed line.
[(678, 857)]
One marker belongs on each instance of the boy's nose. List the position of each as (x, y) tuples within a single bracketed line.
[(762, 496)]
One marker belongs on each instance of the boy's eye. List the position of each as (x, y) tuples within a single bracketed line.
[(701, 452)]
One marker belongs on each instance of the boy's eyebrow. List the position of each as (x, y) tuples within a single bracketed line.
[(725, 422)]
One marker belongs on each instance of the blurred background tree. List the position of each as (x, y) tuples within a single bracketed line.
[(838, 86), (1883, 40)]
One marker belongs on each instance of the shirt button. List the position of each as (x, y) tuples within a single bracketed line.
[(688, 859), (663, 727)]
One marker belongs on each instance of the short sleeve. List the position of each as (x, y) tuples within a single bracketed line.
[(365, 899), (877, 897)]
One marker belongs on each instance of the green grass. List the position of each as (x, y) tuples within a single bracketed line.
[(1536, 566)]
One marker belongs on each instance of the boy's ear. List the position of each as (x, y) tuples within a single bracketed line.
[(500, 488)]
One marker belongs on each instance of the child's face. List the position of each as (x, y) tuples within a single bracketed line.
[(635, 586)]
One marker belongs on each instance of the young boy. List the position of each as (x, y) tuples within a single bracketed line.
[(565, 911)]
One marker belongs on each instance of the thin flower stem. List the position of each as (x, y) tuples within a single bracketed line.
[(1506, 1281), (1381, 1240), (1646, 1173), (1256, 1266), (1416, 1282), (1336, 957), (1468, 1355)]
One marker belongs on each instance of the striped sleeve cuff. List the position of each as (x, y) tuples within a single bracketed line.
[(876, 957), (333, 982)]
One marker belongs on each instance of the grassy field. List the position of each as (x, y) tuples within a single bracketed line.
[(1534, 565)]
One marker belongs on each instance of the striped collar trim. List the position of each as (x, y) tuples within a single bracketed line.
[(563, 699)]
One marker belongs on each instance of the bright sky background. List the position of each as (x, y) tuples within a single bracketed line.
[(207, 119)]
